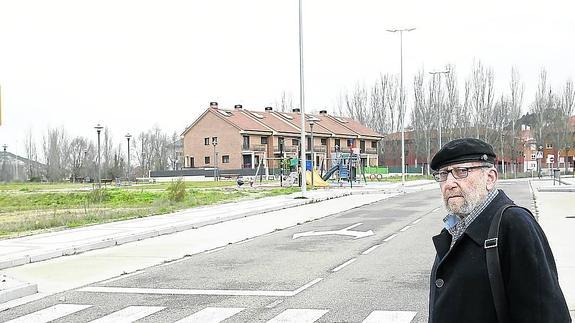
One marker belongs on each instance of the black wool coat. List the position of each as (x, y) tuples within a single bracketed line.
[(460, 291)]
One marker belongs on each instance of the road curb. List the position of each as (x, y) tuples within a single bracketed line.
[(11, 289)]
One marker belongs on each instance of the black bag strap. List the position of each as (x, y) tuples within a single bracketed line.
[(494, 267)]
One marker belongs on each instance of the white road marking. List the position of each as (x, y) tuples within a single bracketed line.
[(370, 249), (345, 231), (338, 268), (390, 317), (417, 221), (211, 315), (435, 210), (214, 250), (122, 277), (244, 241), (275, 303), (50, 313), (129, 314), (298, 316), (405, 228), (390, 237), (173, 291)]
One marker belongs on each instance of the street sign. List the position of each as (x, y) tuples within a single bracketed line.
[(539, 155)]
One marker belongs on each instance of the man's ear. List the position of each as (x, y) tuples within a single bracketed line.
[(492, 176)]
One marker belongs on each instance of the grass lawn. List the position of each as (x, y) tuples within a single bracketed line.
[(27, 208)]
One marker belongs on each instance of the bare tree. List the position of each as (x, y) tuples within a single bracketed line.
[(564, 108), (501, 118), (78, 151), (286, 102), (31, 154), (452, 107), (423, 118), (481, 98), (55, 148), (543, 102), (357, 104), (515, 102)]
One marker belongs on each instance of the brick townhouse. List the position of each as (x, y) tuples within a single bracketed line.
[(239, 138)]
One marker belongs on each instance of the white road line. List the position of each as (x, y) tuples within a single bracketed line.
[(173, 291), (338, 268), (50, 313), (275, 303), (211, 315), (370, 249), (129, 314), (405, 228), (121, 277), (352, 226), (214, 250), (298, 316), (390, 317), (417, 221), (390, 237), (435, 210)]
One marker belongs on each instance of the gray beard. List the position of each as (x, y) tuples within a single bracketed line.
[(471, 202)]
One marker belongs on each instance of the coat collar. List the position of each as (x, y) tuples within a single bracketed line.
[(479, 228)]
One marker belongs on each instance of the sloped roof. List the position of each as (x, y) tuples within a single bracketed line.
[(290, 122)]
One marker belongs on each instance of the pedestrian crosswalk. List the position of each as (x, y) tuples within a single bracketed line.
[(206, 315)]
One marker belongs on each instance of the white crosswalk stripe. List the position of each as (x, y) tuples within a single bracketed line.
[(390, 317), (298, 316), (206, 315), (211, 315), (50, 313), (129, 314)]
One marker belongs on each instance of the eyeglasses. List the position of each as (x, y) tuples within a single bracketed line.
[(457, 172)]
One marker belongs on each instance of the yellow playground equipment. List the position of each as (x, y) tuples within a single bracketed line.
[(317, 180)]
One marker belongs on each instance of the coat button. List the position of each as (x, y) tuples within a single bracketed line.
[(439, 282)]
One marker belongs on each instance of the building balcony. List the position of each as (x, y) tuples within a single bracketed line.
[(372, 151), (253, 148), (318, 149)]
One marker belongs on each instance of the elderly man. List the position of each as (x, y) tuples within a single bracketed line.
[(462, 283)]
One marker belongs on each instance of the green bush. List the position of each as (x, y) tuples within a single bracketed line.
[(177, 190)]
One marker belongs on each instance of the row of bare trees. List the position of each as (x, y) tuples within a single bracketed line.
[(437, 106), (76, 158)]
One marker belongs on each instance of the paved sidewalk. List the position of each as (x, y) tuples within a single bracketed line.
[(556, 209)]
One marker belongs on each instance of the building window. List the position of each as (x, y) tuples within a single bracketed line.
[(350, 142), (337, 142), (207, 160), (533, 156), (549, 146), (264, 141), (323, 141), (308, 143), (246, 144), (207, 141), (295, 142), (374, 144), (214, 141), (225, 159)]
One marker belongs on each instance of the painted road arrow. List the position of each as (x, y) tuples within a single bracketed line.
[(345, 232)]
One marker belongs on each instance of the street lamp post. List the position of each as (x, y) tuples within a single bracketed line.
[(438, 73), (128, 137), (401, 100), (215, 143), (301, 103), (99, 128), (311, 123)]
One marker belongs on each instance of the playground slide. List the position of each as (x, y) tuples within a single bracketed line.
[(330, 172), (317, 180)]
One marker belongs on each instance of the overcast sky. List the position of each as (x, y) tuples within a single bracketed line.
[(131, 65)]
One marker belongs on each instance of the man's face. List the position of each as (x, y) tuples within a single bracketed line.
[(462, 195)]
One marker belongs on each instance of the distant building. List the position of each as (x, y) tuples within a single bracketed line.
[(240, 138), (14, 168)]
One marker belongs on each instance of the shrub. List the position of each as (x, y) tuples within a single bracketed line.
[(177, 190)]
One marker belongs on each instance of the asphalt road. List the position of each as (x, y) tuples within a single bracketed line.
[(369, 263)]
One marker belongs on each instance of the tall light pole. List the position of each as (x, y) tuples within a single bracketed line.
[(215, 143), (128, 137), (99, 128), (301, 104), (438, 73), (311, 123), (401, 99)]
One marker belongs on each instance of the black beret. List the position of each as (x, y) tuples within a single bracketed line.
[(461, 151)]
